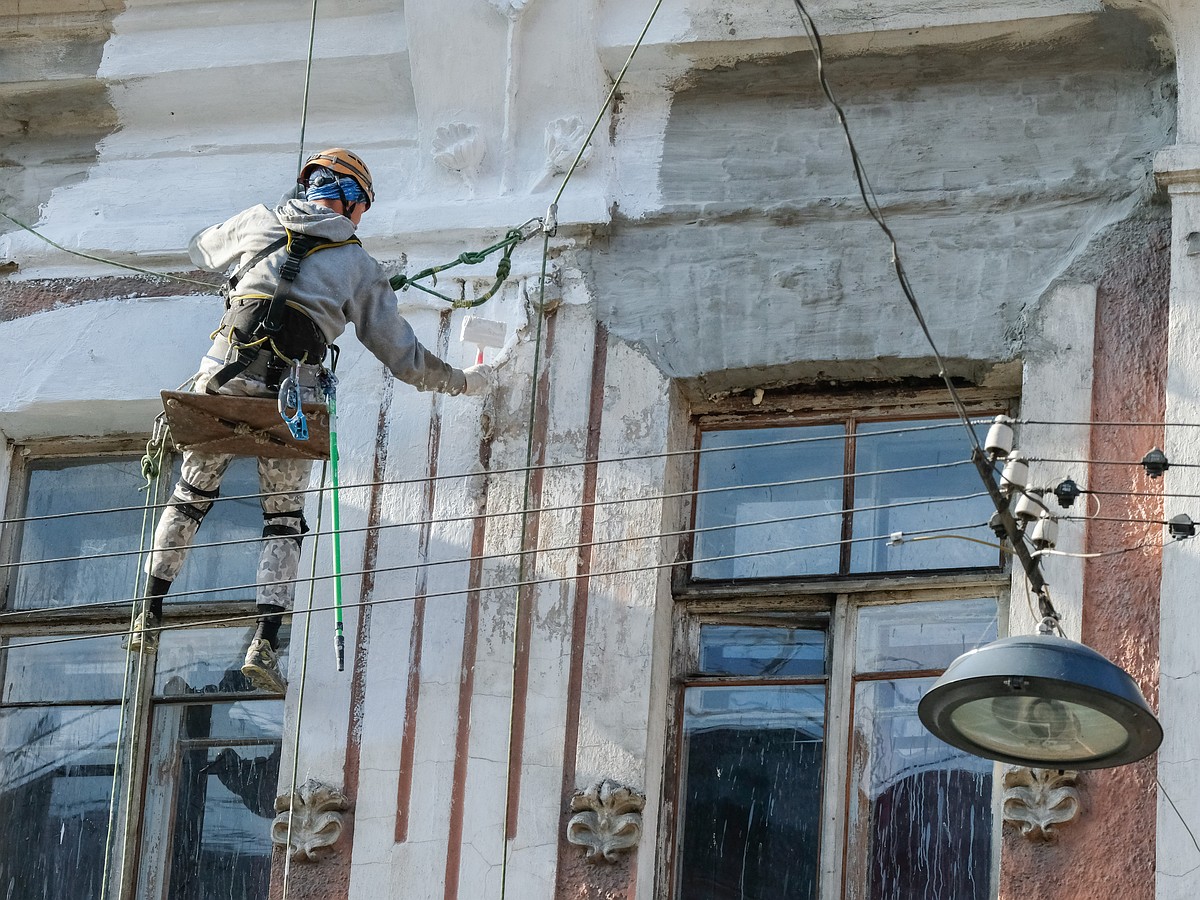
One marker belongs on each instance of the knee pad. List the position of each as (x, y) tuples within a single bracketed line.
[(194, 510), (295, 532)]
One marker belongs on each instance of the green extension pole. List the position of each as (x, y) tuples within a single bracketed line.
[(339, 635)]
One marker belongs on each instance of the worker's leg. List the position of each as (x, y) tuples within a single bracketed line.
[(281, 481), (198, 486)]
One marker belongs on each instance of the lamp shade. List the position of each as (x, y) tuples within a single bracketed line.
[(1041, 701)]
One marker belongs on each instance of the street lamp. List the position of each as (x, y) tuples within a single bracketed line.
[(1041, 701)]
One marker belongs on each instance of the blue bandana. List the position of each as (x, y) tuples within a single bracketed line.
[(331, 188)]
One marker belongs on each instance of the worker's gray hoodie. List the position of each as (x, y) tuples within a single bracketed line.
[(335, 286)]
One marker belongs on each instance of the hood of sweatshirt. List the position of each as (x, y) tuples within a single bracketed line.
[(304, 217)]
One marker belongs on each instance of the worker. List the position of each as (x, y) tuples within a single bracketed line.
[(336, 282)]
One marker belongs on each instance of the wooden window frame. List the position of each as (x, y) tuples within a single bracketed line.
[(127, 849), (833, 600)]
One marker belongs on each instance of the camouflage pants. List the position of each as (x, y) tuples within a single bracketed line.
[(280, 482)]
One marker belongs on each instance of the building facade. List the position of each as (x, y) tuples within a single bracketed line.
[(651, 619)]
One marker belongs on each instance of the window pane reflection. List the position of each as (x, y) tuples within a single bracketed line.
[(877, 452), (208, 660), (752, 796), (920, 810), (57, 486), (216, 782), (767, 652), (923, 636), (91, 668), (769, 518), (56, 769)]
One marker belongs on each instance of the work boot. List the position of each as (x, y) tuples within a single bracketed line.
[(262, 667), (143, 637)]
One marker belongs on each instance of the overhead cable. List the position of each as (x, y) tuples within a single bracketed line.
[(485, 588), (496, 556)]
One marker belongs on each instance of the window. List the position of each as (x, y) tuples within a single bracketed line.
[(836, 493), (163, 773), (806, 634)]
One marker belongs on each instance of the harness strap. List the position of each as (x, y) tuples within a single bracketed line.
[(299, 246), (232, 282)]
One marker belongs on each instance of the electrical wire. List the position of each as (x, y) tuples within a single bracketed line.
[(105, 604), (512, 470), (1113, 424), (871, 202), (696, 492), (1106, 462), (505, 586)]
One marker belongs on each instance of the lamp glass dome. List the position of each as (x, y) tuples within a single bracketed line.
[(1041, 701)]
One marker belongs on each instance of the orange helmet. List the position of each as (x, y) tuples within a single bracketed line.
[(341, 162)]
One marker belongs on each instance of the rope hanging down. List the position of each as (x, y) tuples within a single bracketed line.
[(511, 239)]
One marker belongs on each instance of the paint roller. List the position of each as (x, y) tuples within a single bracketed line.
[(482, 333)]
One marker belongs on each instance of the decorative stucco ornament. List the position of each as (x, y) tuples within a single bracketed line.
[(317, 812), (460, 149), (564, 137), (1037, 800), (607, 820), (511, 9)]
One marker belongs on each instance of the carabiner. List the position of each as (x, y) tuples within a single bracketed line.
[(291, 410)]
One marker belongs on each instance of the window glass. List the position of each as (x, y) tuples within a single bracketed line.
[(920, 810), (741, 521), (922, 636), (752, 802), (918, 501), (197, 660), (239, 521), (56, 769), (749, 650), (85, 575), (89, 668), (217, 784)]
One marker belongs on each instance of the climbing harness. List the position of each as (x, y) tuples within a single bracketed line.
[(255, 323), (511, 239), (329, 388)]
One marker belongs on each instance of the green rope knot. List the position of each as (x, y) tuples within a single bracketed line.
[(472, 259), (512, 237)]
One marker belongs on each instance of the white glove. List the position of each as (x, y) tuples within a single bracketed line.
[(480, 379)]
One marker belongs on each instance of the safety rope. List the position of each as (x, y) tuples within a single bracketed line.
[(549, 226), (151, 469), (312, 40), (287, 847), (109, 262), (512, 238)]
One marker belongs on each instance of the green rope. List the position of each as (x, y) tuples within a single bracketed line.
[(512, 238)]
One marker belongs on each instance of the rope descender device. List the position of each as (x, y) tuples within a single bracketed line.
[(291, 410)]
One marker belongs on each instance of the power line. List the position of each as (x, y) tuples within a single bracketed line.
[(520, 583), (512, 470), (696, 492), (102, 604)]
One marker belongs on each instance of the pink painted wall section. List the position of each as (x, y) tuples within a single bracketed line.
[(1109, 852)]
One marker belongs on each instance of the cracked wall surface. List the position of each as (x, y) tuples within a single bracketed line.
[(992, 162)]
